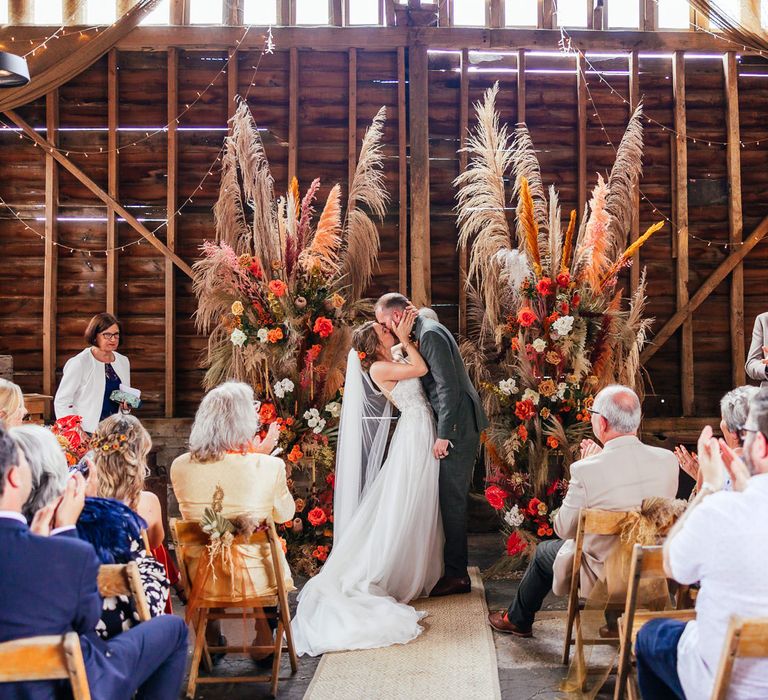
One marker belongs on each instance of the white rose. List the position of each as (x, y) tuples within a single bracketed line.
[(262, 334), (508, 387), (334, 409), (513, 517), (278, 389), (532, 396), (539, 345), (561, 387), (288, 385), (563, 325), (238, 337), (318, 428)]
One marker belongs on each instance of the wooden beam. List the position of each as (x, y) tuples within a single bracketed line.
[(389, 13), (634, 229), (735, 219), (234, 12), (20, 12), (285, 13), (233, 78), (352, 122), (73, 12), (521, 85), (681, 223), (463, 161), (418, 121), (293, 115), (649, 17), (336, 11), (69, 166), (179, 12), (581, 135), (711, 283), (171, 232), (113, 108), (546, 14), (402, 173), (445, 13), (50, 273), (495, 13)]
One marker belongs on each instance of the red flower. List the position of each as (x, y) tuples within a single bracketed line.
[(331, 479), (267, 413), (321, 552), (564, 308), (495, 495), (515, 545), (313, 353), (576, 300), (255, 269), (552, 442), (295, 455), (323, 326), (553, 487), (317, 517), (545, 287), (563, 280), (525, 409), (544, 530), (533, 507), (522, 433), (526, 317), (278, 287)]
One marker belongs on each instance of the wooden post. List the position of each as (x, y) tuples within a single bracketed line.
[(463, 160), (681, 223), (234, 12), (113, 107), (352, 123), (336, 11), (402, 173), (495, 13), (581, 98), (445, 13), (521, 86), (293, 115), (634, 230), (19, 12), (50, 273), (171, 207), (421, 262), (73, 12), (233, 78), (735, 220), (179, 12), (285, 13), (649, 17), (546, 14)]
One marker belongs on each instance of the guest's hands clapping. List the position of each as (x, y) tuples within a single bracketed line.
[(404, 327), (71, 503), (735, 467), (42, 521), (711, 465), (589, 448), (689, 463)]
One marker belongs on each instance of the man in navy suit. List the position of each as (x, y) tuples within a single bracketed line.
[(48, 586)]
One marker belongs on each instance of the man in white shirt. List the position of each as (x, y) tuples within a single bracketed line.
[(719, 542), (619, 476)]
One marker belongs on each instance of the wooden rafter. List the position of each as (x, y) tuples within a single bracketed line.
[(113, 107), (50, 273), (68, 165)]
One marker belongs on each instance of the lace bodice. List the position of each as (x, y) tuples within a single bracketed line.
[(408, 394)]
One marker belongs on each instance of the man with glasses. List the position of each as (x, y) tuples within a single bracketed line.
[(620, 475), (720, 543)]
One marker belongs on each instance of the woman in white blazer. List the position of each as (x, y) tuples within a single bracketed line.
[(92, 375)]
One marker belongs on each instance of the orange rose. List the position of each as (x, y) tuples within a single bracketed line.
[(525, 409), (300, 505), (552, 442), (547, 388), (317, 517), (278, 287), (295, 454), (321, 552), (275, 335), (323, 327), (526, 317), (522, 433), (267, 413), (563, 280), (545, 287), (288, 524)]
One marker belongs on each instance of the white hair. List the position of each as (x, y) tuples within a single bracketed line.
[(427, 312), (47, 463), (734, 407), (225, 420), (620, 407)]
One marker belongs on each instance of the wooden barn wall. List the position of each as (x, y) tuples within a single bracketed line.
[(340, 90)]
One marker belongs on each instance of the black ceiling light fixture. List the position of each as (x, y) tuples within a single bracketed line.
[(14, 71)]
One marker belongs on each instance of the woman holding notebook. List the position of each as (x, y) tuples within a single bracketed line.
[(91, 376)]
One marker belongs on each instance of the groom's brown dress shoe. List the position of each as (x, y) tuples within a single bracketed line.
[(499, 622), (449, 585)]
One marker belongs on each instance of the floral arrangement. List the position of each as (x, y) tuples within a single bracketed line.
[(277, 293), (73, 439), (550, 327)]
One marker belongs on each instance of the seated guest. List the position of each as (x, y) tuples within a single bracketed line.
[(48, 587), (113, 520), (12, 409), (618, 477), (47, 464), (708, 545), (222, 457), (757, 359), (734, 407)]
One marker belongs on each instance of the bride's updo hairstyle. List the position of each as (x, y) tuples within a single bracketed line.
[(366, 343)]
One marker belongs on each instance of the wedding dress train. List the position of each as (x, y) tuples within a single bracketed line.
[(390, 552)]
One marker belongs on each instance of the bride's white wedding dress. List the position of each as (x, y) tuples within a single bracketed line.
[(390, 552)]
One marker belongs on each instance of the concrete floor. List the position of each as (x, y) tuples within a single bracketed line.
[(527, 668)]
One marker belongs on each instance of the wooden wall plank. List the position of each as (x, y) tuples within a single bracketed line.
[(402, 171), (336, 11), (50, 273), (234, 12), (634, 230), (293, 115), (681, 224), (171, 207), (521, 85), (352, 109), (735, 218), (581, 131), (463, 160), (418, 121), (233, 80), (113, 108)]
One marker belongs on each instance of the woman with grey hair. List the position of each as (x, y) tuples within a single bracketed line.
[(226, 459), (47, 464)]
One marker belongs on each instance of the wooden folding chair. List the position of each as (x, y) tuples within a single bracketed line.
[(124, 579), (647, 563), (591, 522), (746, 638), (188, 534), (53, 657)]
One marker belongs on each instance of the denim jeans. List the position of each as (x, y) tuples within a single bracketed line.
[(656, 652), (536, 584)]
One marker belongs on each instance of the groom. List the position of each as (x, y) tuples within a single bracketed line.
[(460, 420)]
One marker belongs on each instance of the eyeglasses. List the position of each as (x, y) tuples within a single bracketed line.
[(256, 404), (592, 412), (110, 336)]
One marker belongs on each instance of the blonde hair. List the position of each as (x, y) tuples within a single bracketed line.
[(11, 398), (120, 447)]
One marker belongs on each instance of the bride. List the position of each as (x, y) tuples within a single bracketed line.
[(388, 538)]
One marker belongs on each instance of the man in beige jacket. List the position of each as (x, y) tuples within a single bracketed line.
[(618, 476)]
